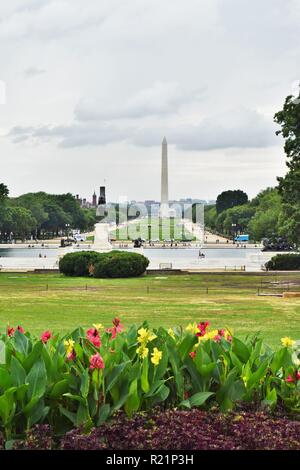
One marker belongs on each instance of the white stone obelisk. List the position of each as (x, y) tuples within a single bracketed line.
[(164, 203)]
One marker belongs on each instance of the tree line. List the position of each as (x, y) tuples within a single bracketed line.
[(41, 215), (275, 212), (260, 218)]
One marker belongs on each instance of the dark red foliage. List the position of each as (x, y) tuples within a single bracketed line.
[(178, 430), (190, 430)]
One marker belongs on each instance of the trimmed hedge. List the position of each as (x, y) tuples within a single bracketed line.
[(285, 262), (103, 265)]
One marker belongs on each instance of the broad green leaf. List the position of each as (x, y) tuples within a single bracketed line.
[(104, 413), (21, 342), (186, 345), (37, 379), (160, 370), (33, 357), (197, 399), (258, 375), (200, 398), (271, 398), (113, 376), (83, 415), (144, 376), (71, 416), (18, 373), (2, 352), (59, 388), (85, 383), (7, 404), (74, 397), (240, 349), (5, 379), (38, 413), (133, 401)]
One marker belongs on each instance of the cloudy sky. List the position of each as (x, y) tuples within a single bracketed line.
[(93, 86)]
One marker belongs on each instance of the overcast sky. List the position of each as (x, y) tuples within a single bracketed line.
[(93, 86)]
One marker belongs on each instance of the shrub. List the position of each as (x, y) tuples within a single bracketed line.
[(111, 264), (78, 264), (120, 264), (284, 262)]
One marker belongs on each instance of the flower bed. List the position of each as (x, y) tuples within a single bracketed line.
[(84, 378), (176, 430)]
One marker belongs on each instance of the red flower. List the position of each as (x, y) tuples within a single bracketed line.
[(46, 336), (117, 328), (93, 336), (96, 362), (10, 331), (72, 355), (229, 338), (202, 327), (289, 379), (298, 375), (192, 354), (221, 332), (217, 338), (20, 329)]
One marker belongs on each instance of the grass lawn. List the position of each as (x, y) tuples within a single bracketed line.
[(171, 229), (51, 301)]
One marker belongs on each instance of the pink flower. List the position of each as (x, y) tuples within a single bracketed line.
[(20, 329), (72, 355), (298, 375), (96, 362), (192, 354), (221, 332), (202, 327), (10, 331), (289, 379), (117, 328), (229, 338), (217, 338), (46, 336), (93, 336)]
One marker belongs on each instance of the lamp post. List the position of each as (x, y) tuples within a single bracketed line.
[(67, 230), (233, 227)]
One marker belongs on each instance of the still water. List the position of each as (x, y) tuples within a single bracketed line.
[(251, 258)]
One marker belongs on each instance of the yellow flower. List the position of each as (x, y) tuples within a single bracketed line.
[(286, 341), (69, 344), (212, 334), (142, 351), (98, 326), (192, 328), (171, 333), (145, 336), (156, 356)]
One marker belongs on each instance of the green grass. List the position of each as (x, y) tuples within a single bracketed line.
[(170, 230), (40, 301)]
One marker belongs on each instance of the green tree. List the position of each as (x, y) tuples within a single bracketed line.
[(289, 186), (229, 199)]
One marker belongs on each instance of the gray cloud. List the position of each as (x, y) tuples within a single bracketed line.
[(159, 99), (238, 128), (120, 74), (31, 72)]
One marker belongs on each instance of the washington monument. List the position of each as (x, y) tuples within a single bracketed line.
[(164, 206)]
